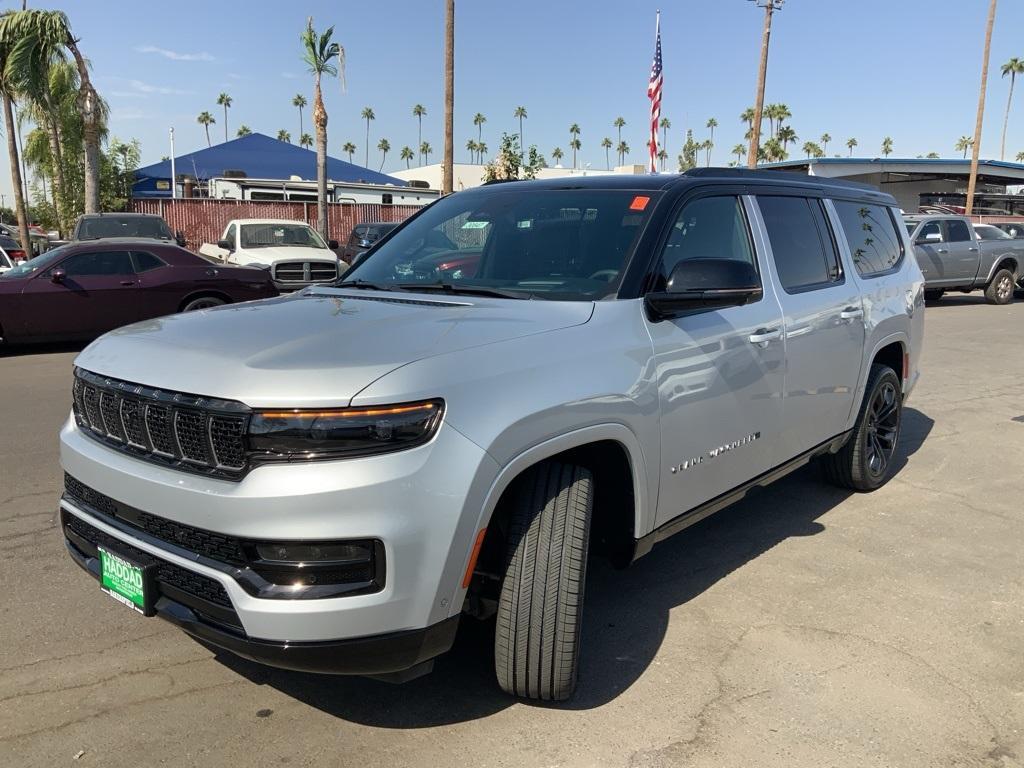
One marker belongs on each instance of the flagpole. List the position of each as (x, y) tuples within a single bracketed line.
[(652, 145)]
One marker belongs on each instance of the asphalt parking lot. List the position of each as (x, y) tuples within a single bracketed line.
[(803, 627)]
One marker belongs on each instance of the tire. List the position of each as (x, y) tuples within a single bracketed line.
[(933, 294), (202, 302), (865, 462), (1000, 288), (537, 637)]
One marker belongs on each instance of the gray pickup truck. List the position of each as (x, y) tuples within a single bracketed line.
[(953, 257)]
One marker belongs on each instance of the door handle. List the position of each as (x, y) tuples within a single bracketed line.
[(762, 337), (972, 249), (851, 313), (127, 282), (942, 250)]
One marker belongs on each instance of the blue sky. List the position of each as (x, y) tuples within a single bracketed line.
[(861, 68)]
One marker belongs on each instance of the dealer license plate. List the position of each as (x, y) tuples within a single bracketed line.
[(123, 580)]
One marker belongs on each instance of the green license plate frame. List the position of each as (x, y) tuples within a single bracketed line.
[(127, 580)]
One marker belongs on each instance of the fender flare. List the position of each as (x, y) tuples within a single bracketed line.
[(998, 262)]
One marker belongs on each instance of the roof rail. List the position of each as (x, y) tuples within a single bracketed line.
[(769, 174)]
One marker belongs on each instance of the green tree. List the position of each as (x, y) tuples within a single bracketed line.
[(963, 144), (425, 151), (887, 146), (299, 101), (747, 116), (323, 57), (349, 149), (419, 111), (574, 141), (711, 125), (622, 150), (481, 148), (825, 139), (1012, 68), (606, 144), (520, 113), (305, 141), (225, 101), (619, 123), (205, 119), (739, 150), (663, 156), (283, 135), (510, 163), (786, 135), (664, 124), (850, 144), (406, 154), (812, 150), (707, 145), (557, 154), (383, 146), (471, 148), (9, 92), (367, 115), (688, 157), (478, 121), (932, 155), (245, 130), (1020, 157)]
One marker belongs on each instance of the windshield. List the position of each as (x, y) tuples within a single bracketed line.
[(269, 235), (562, 244), (150, 227), (35, 265), (4, 261), (988, 232)]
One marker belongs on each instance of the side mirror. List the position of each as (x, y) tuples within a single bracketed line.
[(697, 284), (179, 238), (332, 244), (225, 245), (364, 243), (57, 275), (931, 237)]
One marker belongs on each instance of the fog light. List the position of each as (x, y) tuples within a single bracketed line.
[(314, 554)]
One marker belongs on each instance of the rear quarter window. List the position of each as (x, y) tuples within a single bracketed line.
[(870, 231)]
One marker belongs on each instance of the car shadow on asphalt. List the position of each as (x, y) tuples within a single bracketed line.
[(951, 300), (625, 620)]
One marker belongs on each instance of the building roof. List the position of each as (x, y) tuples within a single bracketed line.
[(257, 156), (989, 171)]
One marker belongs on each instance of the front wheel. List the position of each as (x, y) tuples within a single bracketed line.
[(537, 638), (865, 462), (203, 302), (1000, 288)]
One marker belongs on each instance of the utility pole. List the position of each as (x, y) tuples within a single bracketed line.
[(976, 149), (447, 177), (770, 6), (174, 179)]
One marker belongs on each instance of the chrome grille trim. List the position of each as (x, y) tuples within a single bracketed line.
[(187, 432), (304, 271)]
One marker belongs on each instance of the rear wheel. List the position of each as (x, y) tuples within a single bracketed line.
[(865, 462), (1000, 288), (203, 302), (933, 294), (537, 639)]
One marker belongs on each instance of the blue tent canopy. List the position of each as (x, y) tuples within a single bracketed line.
[(259, 157)]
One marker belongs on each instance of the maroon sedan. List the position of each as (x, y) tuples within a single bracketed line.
[(81, 290)]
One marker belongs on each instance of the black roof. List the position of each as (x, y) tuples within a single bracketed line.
[(120, 215)]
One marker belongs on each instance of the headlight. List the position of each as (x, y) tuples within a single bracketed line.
[(299, 434)]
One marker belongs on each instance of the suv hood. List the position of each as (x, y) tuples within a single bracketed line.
[(315, 348), (275, 253)]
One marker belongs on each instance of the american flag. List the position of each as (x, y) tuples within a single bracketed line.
[(654, 94)]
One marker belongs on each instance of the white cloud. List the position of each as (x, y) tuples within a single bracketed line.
[(141, 87), (175, 55)]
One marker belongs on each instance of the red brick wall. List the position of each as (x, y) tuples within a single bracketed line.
[(203, 221)]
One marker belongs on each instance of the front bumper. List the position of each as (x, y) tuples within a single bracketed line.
[(419, 503)]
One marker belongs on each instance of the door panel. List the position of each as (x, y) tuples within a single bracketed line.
[(719, 392), (823, 323), (963, 257)]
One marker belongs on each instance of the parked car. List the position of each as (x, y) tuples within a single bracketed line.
[(363, 237), (954, 258), (293, 252), (5, 262), (331, 480), (98, 226), (1014, 229), (81, 290), (12, 249)]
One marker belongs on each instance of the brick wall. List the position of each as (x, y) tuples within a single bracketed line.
[(203, 221)]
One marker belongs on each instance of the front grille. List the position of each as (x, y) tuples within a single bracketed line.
[(305, 271), (188, 432)]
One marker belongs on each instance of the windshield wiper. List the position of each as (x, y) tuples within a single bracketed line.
[(467, 290), (365, 285)]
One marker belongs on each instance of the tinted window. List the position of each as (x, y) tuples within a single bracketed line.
[(708, 228), (874, 242), (269, 235), (111, 225), (801, 244), (566, 244), (7, 243), (931, 229), (957, 231), (101, 263), (988, 232), (145, 261), (31, 267)]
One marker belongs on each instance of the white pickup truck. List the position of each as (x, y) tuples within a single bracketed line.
[(293, 252)]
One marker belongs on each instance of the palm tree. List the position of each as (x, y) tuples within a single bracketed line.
[(747, 116), (245, 130), (812, 150), (9, 90), (739, 150), (664, 124), (406, 154), (850, 144), (711, 124), (300, 102), (932, 155), (521, 114), (887, 146), (418, 112), (367, 115), (622, 149), (481, 149), (663, 156), (619, 124), (36, 37), (606, 143), (825, 139), (707, 145), (320, 53), (1020, 157), (478, 121), (306, 141), (557, 154), (283, 135), (425, 150), (225, 101), (448, 149), (574, 142), (786, 135), (963, 144), (1012, 68), (384, 146), (205, 119), (781, 113), (471, 147), (770, 110), (350, 149)]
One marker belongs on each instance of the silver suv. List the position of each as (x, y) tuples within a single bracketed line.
[(521, 375)]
